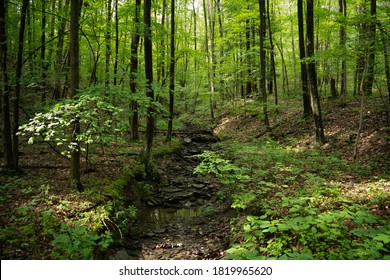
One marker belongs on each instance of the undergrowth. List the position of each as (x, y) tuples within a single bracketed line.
[(300, 204)]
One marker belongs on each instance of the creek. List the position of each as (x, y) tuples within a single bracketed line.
[(178, 220)]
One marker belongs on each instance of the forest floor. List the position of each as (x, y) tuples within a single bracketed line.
[(199, 223)]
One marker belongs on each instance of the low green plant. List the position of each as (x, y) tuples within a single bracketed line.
[(328, 235), (77, 243)]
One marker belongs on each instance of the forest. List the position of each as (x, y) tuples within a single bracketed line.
[(195, 129)]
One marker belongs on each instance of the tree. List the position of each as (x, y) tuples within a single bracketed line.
[(263, 88), (171, 73), (5, 100), (134, 71), (74, 83), (211, 16), (314, 96), (369, 81), (148, 49), (343, 42), (60, 52), (108, 41), (302, 55), (272, 56)]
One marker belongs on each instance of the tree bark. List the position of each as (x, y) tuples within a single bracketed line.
[(369, 81), (343, 41), (108, 41), (60, 51), (386, 58), (272, 55), (134, 70), (116, 43), (263, 87), (43, 51), (171, 74), (307, 110), (16, 99), (149, 87), (5, 105), (314, 96), (211, 15), (74, 83)]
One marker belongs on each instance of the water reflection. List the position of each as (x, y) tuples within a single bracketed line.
[(158, 217)]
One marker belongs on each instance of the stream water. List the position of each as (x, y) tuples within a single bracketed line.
[(173, 225), (155, 219)]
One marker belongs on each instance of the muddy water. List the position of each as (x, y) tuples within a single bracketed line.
[(155, 219)]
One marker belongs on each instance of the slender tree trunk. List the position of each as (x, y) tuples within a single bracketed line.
[(195, 58), (161, 49), (208, 55), (343, 42), (221, 50), (386, 58), (212, 55), (43, 51), (74, 83), (369, 81), (60, 51), (149, 86), (314, 96), (116, 43), (248, 86), (134, 70), (108, 41), (272, 55), (16, 100), (171, 73), (5, 110), (286, 84), (307, 110), (263, 88)]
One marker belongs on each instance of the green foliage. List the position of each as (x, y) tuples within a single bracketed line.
[(304, 215), (77, 243), (229, 174), (99, 117), (226, 172), (328, 235)]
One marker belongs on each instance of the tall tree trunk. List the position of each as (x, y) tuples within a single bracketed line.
[(263, 87), (272, 55), (195, 58), (134, 70), (369, 81), (343, 43), (16, 99), (161, 49), (212, 55), (386, 58), (43, 51), (108, 41), (221, 50), (116, 43), (149, 86), (248, 86), (5, 109), (171, 73), (74, 83), (307, 110), (208, 55), (314, 96), (60, 50)]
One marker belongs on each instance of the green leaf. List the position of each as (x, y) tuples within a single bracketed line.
[(385, 238)]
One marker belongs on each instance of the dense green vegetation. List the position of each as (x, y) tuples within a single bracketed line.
[(97, 95)]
